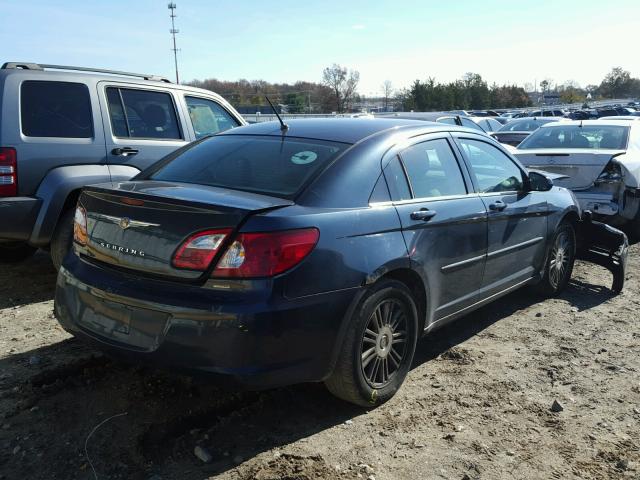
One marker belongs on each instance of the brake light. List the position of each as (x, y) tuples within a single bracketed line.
[(266, 254), (80, 235), (8, 172), (197, 251)]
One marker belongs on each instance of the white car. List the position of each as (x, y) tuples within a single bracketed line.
[(601, 159)]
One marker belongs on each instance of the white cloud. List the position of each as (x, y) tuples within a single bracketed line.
[(358, 26)]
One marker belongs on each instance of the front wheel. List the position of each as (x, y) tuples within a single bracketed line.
[(560, 260), (14, 252), (378, 348)]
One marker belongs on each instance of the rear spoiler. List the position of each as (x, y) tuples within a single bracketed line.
[(605, 246)]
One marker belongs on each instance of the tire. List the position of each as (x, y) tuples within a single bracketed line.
[(62, 238), (14, 252), (387, 316), (559, 261)]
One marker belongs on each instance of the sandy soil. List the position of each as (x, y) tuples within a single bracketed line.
[(477, 403)]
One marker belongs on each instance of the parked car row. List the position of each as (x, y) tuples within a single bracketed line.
[(273, 253)]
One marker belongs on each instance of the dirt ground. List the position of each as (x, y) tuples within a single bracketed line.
[(477, 403)]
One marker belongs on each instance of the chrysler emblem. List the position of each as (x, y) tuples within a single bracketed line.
[(124, 223)]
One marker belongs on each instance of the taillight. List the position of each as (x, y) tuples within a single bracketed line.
[(266, 254), (80, 235), (197, 251), (8, 172)]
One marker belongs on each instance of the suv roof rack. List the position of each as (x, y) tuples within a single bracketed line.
[(37, 66)]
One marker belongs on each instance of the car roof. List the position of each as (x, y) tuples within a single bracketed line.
[(422, 116), (586, 123), (346, 130), (621, 117)]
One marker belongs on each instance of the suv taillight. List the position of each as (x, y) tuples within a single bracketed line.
[(266, 254), (8, 172)]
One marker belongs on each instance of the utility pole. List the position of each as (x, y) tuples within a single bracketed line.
[(173, 31)]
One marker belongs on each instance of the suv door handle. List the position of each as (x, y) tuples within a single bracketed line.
[(423, 214), (497, 206), (124, 151)]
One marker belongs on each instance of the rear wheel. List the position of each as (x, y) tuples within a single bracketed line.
[(62, 238), (378, 348), (14, 252), (560, 261)]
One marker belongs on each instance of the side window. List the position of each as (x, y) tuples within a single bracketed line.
[(447, 120), (494, 171), (433, 170), (142, 114), (207, 117), (55, 109), (470, 124), (397, 180)]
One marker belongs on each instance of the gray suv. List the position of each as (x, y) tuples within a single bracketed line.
[(62, 128)]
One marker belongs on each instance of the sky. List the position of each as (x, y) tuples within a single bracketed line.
[(285, 41)]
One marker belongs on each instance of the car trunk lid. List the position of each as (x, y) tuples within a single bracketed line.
[(140, 225), (582, 166)]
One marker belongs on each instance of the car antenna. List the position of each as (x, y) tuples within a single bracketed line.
[(580, 123), (283, 126)]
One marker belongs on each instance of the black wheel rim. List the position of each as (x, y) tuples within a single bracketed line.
[(560, 259), (384, 343)]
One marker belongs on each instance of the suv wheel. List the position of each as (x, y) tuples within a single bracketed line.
[(560, 260), (62, 238), (378, 348), (13, 252)]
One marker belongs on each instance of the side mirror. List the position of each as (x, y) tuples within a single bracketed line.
[(539, 182)]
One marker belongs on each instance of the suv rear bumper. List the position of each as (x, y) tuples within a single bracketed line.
[(17, 217)]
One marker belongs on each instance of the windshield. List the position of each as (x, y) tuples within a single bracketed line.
[(270, 165), (612, 137)]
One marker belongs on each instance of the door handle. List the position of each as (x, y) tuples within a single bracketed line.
[(423, 214), (124, 151), (497, 206)]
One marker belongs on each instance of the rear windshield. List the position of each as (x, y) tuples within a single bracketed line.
[(521, 126), (270, 165), (613, 137)]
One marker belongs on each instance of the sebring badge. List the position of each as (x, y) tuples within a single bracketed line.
[(125, 250)]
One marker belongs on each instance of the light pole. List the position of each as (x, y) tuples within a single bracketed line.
[(172, 6)]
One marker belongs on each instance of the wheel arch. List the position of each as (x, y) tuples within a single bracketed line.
[(418, 290)]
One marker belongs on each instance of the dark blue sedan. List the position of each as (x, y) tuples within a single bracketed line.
[(317, 252)]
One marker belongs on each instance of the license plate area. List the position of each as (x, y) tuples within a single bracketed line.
[(135, 327)]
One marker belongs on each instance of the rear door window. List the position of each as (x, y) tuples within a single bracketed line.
[(55, 109), (207, 117), (433, 170), (143, 114)]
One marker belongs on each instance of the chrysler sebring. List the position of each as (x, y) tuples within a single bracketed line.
[(317, 251)]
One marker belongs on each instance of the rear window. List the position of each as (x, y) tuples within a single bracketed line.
[(612, 137), (55, 109), (521, 126), (270, 165)]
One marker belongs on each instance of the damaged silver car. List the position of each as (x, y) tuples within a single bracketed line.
[(601, 162)]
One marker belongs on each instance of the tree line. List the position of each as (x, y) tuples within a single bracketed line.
[(337, 92)]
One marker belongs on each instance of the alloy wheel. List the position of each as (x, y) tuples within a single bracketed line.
[(384, 343), (560, 259)]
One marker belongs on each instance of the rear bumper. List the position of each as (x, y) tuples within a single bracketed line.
[(604, 245), (254, 338), (598, 203), (18, 216)]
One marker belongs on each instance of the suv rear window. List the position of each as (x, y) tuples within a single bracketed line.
[(142, 114), (55, 109), (270, 165)]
